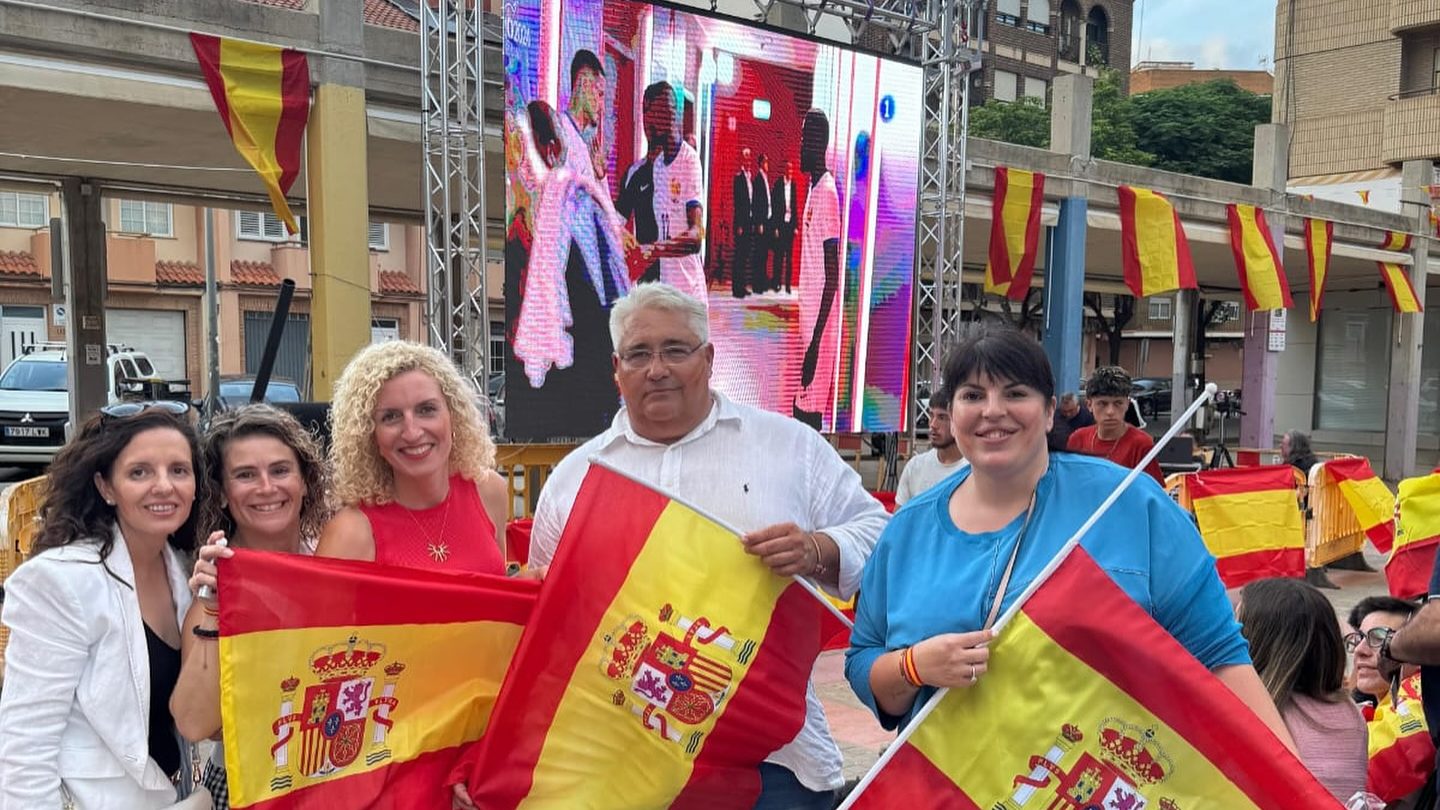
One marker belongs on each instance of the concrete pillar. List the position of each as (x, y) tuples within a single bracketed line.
[(1260, 365), (1182, 348), (1403, 409), (1064, 293), (338, 200), (87, 374)]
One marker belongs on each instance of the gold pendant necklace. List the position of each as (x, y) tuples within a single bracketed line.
[(438, 549)]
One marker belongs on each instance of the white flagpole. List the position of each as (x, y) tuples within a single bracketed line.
[(1045, 574)]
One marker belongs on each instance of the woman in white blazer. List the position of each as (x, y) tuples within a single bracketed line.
[(95, 617)]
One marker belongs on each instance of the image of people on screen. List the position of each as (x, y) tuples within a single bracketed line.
[(819, 273)]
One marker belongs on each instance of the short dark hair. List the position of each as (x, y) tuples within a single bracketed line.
[(584, 59), (1000, 352), (1294, 639), (1380, 604), (655, 91), (942, 397), (1108, 381)]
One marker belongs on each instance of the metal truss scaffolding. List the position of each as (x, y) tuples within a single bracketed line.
[(452, 62)]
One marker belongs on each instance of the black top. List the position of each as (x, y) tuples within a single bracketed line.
[(637, 199), (164, 672)]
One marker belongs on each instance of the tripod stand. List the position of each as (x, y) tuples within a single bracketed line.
[(1220, 454)]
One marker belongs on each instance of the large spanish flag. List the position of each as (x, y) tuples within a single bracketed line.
[(349, 684), (1402, 754), (1089, 703), (1262, 276), (1319, 239), (1014, 231), (1417, 533), (1369, 498), (663, 665), (1155, 253), (1402, 292), (262, 93), (1250, 520)]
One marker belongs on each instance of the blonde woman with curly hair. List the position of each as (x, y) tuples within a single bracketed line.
[(412, 465)]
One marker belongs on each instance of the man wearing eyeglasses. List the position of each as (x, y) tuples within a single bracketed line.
[(804, 508), (1418, 642)]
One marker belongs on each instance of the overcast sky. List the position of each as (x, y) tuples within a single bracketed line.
[(1234, 34)]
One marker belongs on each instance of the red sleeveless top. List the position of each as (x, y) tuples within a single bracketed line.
[(453, 535)]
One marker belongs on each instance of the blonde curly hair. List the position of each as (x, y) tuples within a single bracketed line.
[(360, 474)]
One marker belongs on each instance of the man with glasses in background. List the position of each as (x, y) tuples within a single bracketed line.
[(803, 508), (1402, 760)]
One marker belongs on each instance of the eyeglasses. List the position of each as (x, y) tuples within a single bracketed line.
[(1373, 637), (640, 359), (122, 410)]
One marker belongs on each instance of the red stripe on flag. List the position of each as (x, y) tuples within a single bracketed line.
[(1001, 271), (774, 688), (1241, 480), (295, 113), (418, 783), (1254, 760), (911, 780), (207, 53), (1185, 270), (1129, 247), (1238, 569), (290, 591), (1407, 574), (577, 597), (1401, 769), (1020, 284)]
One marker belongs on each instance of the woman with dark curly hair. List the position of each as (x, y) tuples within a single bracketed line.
[(269, 491), (95, 617)]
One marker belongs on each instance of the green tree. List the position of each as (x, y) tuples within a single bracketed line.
[(1024, 121), (1202, 129)]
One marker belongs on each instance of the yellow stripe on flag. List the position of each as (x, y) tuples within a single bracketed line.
[(1320, 237), (252, 86), (653, 581), (440, 701), (1155, 237), (1263, 279), (1244, 522), (1419, 510), (1023, 656), (1401, 293), (1015, 215), (1369, 499)]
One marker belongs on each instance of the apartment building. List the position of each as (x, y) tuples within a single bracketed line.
[(1030, 42), (1154, 75)]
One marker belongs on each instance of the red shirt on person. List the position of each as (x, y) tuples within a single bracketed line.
[(1126, 451)]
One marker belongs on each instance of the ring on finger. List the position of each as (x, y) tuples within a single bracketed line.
[(972, 673)]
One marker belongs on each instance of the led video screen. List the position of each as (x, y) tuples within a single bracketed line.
[(774, 177)]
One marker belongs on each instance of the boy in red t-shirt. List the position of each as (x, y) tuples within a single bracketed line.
[(1108, 394)]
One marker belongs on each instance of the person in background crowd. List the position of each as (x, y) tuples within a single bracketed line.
[(1070, 415), (677, 196), (782, 226), (1388, 614), (1295, 450), (412, 462), (760, 227), (742, 221), (803, 508), (1375, 617), (934, 465), (1416, 642), (819, 275), (1017, 501), (268, 491), (1108, 393), (95, 617), (1296, 644)]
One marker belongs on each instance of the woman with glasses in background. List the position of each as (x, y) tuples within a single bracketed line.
[(1401, 764), (412, 461), (95, 617), (268, 492)]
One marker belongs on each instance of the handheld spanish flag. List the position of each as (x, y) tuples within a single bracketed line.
[(1155, 253), (663, 665), (1319, 239), (263, 96), (1250, 520), (1014, 231), (1262, 276), (1417, 533), (348, 684), (1087, 702), (1402, 755), (1402, 292), (1369, 498)]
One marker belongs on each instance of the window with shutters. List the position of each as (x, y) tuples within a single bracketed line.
[(1005, 82), (1159, 309), (20, 210), (1352, 366), (1035, 88), (146, 217), (1007, 12), (379, 236), (497, 346), (261, 226)]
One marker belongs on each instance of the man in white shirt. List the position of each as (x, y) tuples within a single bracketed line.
[(934, 465), (803, 507), (679, 210)]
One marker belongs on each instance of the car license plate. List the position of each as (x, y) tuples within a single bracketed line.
[(24, 431)]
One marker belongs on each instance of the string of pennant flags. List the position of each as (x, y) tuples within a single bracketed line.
[(1156, 254)]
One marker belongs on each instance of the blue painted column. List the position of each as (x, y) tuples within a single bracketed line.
[(1064, 293)]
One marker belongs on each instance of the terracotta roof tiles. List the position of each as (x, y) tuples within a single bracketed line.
[(386, 15), (184, 274), (253, 274), (18, 263), (395, 282), (297, 5)]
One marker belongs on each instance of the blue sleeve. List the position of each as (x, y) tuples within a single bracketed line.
[(1189, 599), (868, 636)]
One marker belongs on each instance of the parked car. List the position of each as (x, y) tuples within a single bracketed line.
[(235, 389), (1152, 394), (494, 408)]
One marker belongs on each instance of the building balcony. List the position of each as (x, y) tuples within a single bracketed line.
[(1407, 14), (1412, 126)]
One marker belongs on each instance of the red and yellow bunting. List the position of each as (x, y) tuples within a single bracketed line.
[(1014, 232), (1155, 253), (263, 96), (1087, 721), (670, 664), (1397, 241), (1319, 239), (1417, 534), (1401, 753), (1262, 276), (1250, 520), (341, 681), (1402, 292)]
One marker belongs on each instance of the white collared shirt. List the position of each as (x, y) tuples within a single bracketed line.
[(751, 469)]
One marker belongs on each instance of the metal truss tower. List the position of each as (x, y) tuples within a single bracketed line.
[(452, 49)]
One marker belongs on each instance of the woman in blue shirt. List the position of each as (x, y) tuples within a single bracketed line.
[(958, 555)]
